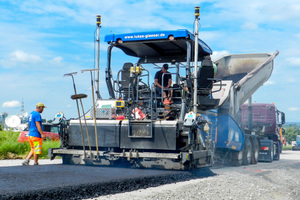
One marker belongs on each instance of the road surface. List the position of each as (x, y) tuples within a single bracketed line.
[(52, 180)]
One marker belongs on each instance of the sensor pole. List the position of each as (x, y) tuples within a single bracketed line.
[(98, 23), (197, 14)]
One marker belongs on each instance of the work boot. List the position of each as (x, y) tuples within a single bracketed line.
[(25, 162)]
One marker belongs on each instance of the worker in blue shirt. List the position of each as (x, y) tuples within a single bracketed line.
[(36, 134)]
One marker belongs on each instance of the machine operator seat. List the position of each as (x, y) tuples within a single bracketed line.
[(205, 84), (205, 73), (125, 80)]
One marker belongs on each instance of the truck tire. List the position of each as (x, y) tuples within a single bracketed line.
[(236, 158), (247, 156), (276, 151), (271, 152), (281, 146), (255, 149)]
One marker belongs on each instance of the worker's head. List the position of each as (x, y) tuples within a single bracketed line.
[(40, 107), (207, 57), (165, 68)]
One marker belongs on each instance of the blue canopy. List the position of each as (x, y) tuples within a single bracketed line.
[(157, 47)]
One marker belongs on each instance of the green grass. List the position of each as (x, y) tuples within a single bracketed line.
[(10, 148), (289, 147)]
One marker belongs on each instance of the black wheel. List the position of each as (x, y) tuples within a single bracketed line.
[(276, 151), (278, 157), (70, 160), (255, 149), (67, 159), (271, 152), (280, 144), (247, 156), (236, 158)]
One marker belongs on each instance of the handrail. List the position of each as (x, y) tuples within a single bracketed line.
[(162, 87)]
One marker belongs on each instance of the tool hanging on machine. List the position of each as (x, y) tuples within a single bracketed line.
[(94, 106), (80, 97)]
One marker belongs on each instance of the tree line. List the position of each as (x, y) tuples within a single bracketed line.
[(291, 132)]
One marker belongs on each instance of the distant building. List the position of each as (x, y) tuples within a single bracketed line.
[(2, 119)]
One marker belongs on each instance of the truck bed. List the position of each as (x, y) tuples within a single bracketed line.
[(242, 75)]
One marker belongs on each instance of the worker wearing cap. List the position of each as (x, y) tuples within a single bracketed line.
[(166, 80), (36, 134)]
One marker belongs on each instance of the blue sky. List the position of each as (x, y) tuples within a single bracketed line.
[(43, 40)]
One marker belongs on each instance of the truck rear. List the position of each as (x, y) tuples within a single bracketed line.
[(266, 122)]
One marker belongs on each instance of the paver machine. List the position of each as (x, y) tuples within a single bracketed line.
[(134, 126)]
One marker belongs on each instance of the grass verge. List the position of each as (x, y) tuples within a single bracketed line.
[(288, 147), (10, 148)]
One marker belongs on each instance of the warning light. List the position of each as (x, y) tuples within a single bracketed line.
[(119, 41), (171, 37), (197, 11), (98, 22)]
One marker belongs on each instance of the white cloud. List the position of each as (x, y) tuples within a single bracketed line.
[(147, 13), (260, 12), (294, 60), (19, 59), (218, 54), (11, 104), (270, 83), (57, 59), (208, 36), (293, 109), (250, 26), (20, 56), (292, 80)]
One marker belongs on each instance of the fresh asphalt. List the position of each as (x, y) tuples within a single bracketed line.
[(53, 180)]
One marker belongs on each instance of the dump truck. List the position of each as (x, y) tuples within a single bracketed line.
[(136, 127), (265, 121), (296, 147)]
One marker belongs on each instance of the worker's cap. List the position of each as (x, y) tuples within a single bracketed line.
[(166, 66), (40, 105)]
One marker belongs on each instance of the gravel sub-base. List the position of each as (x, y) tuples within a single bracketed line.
[(226, 186), (279, 180)]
